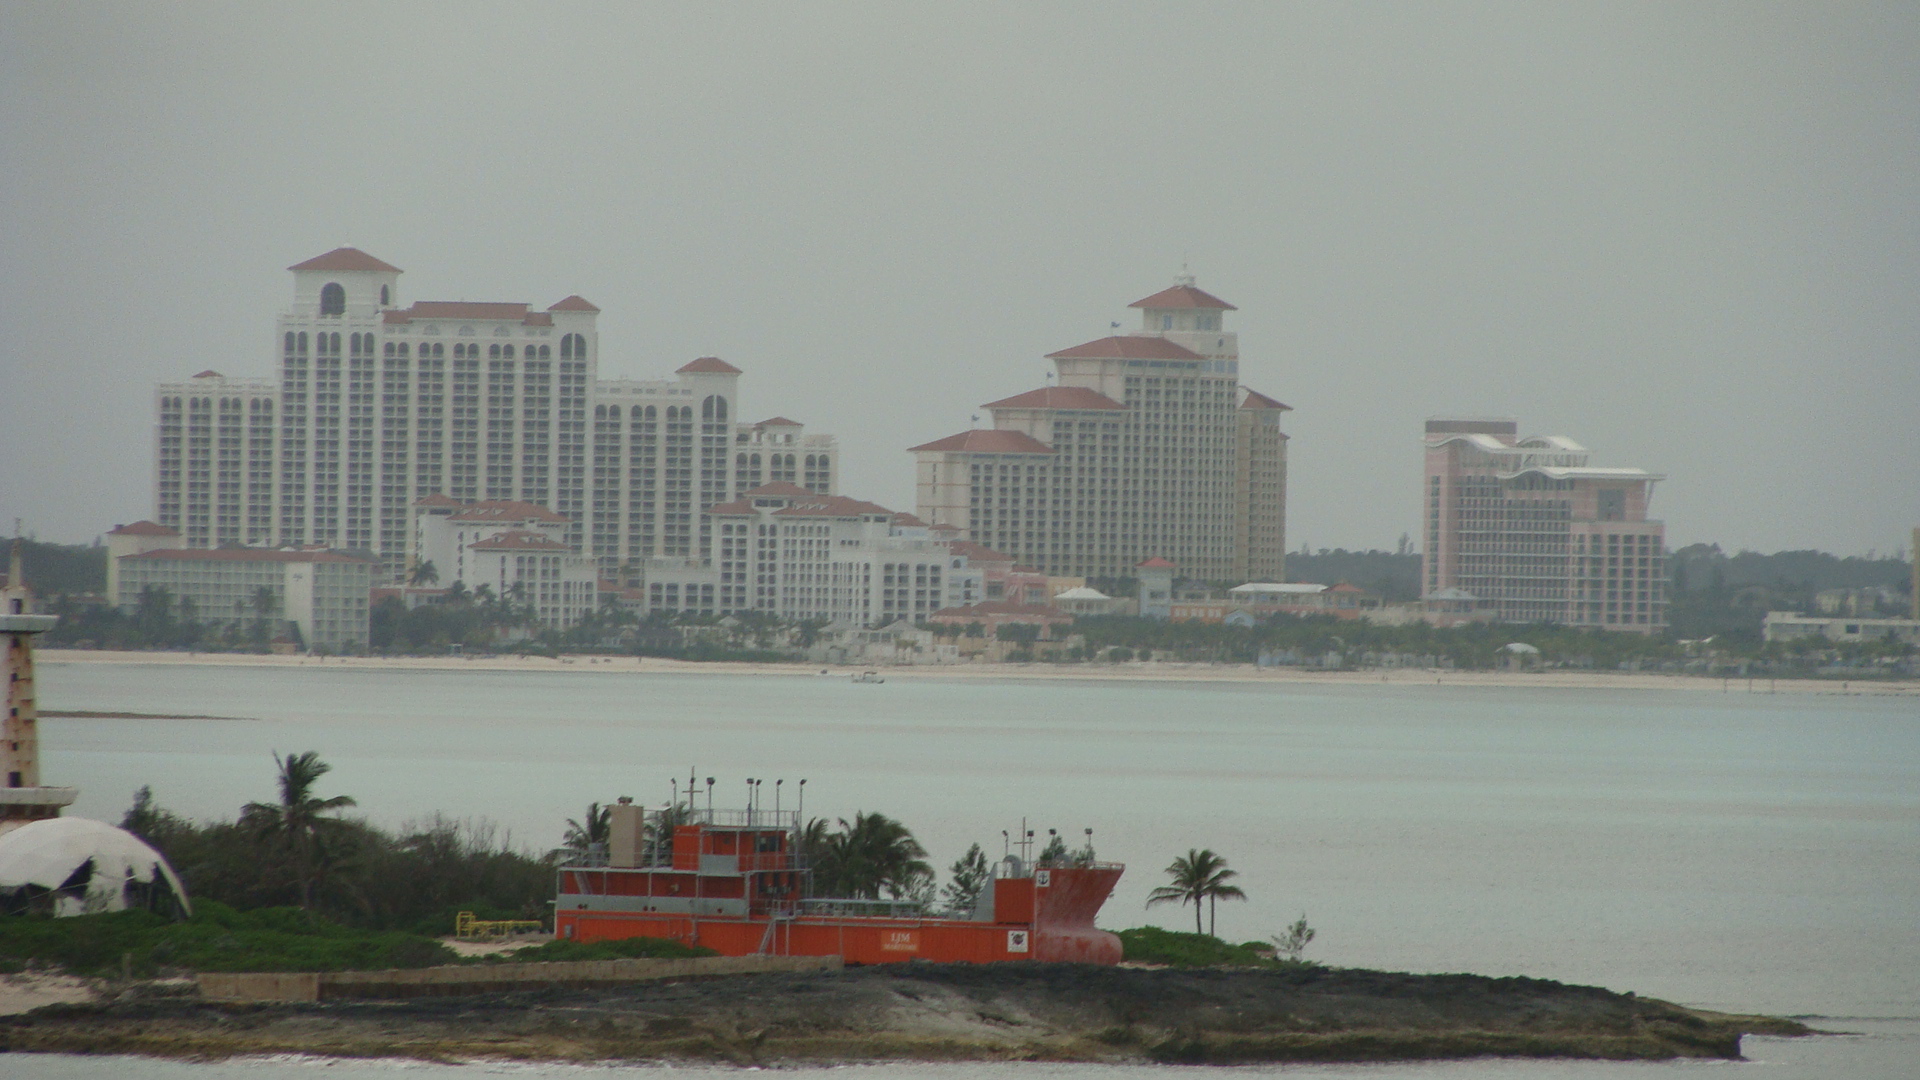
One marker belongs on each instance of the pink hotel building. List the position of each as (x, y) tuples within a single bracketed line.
[(1522, 527)]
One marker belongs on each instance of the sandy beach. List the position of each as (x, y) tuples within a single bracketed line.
[(1152, 671)]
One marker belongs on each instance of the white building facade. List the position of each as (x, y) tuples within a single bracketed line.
[(517, 550), (323, 593), (1139, 451), (798, 556), (378, 405), (1524, 526)]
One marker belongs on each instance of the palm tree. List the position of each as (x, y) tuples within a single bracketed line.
[(1198, 875), (867, 856), (298, 820), (971, 876), (424, 573), (660, 826), (599, 823)]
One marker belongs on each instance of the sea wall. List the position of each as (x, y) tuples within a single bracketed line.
[(484, 978)]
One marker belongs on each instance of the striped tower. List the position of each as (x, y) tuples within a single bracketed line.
[(23, 799)]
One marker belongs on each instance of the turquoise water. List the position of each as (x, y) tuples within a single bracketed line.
[(1743, 852)]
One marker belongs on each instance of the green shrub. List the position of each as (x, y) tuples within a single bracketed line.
[(217, 938), (1152, 945)]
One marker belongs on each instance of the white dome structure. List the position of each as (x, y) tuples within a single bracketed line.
[(72, 866)]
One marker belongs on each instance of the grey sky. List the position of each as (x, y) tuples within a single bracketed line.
[(1687, 235)]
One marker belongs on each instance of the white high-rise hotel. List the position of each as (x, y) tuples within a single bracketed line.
[(1147, 446), (378, 406)]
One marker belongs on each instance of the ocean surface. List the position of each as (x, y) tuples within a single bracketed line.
[(1744, 852)]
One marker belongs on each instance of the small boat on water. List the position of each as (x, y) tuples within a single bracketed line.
[(869, 677), (735, 881)]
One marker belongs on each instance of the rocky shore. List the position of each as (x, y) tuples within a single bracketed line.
[(930, 1012)]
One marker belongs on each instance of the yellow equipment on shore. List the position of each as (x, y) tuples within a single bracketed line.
[(467, 927)]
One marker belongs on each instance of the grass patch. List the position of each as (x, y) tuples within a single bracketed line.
[(624, 949), (1152, 945), (217, 938)]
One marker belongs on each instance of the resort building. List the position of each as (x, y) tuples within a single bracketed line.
[(1146, 445), (799, 556), (1525, 528), (1792, 626), (377, 405), (135, 539), (321, 593), (516, 551)]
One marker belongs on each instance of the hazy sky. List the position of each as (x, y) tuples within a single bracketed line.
[(1686, 235)]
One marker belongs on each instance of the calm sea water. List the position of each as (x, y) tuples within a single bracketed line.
[(1743, 852)]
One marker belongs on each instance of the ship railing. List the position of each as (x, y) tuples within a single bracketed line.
[(869, 909), (576, 860), (772, 861), (1013, 868), (743, 819)]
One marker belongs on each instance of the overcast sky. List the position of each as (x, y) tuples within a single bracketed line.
[(1686, 235)]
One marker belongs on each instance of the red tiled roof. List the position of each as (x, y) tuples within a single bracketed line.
[(518, 541), (1057, 397), (779, 487), (904, 518), (1155, 563), (438, 498), (573, 303), (344, 259), (1183, 296), (144, 528), (987, 441), (537, 318), (731, 509), (392, 317), (977, 552), (708, 365), (506, 510), (1346, 587), (465, 309), (779, 421), (208, 374), (248, 555), (832, 506), (1257, 400), (1127, 347)]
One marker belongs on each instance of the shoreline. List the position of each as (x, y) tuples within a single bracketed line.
[(1149, 672), (941, 1012)]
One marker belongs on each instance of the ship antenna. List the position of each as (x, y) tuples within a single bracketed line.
[(776, 800), (709, 800)]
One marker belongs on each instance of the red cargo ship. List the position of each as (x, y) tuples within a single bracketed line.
[(734, 881)]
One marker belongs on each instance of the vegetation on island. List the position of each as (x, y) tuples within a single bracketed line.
[(1175, 948), (300, 852), (216, 938)]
